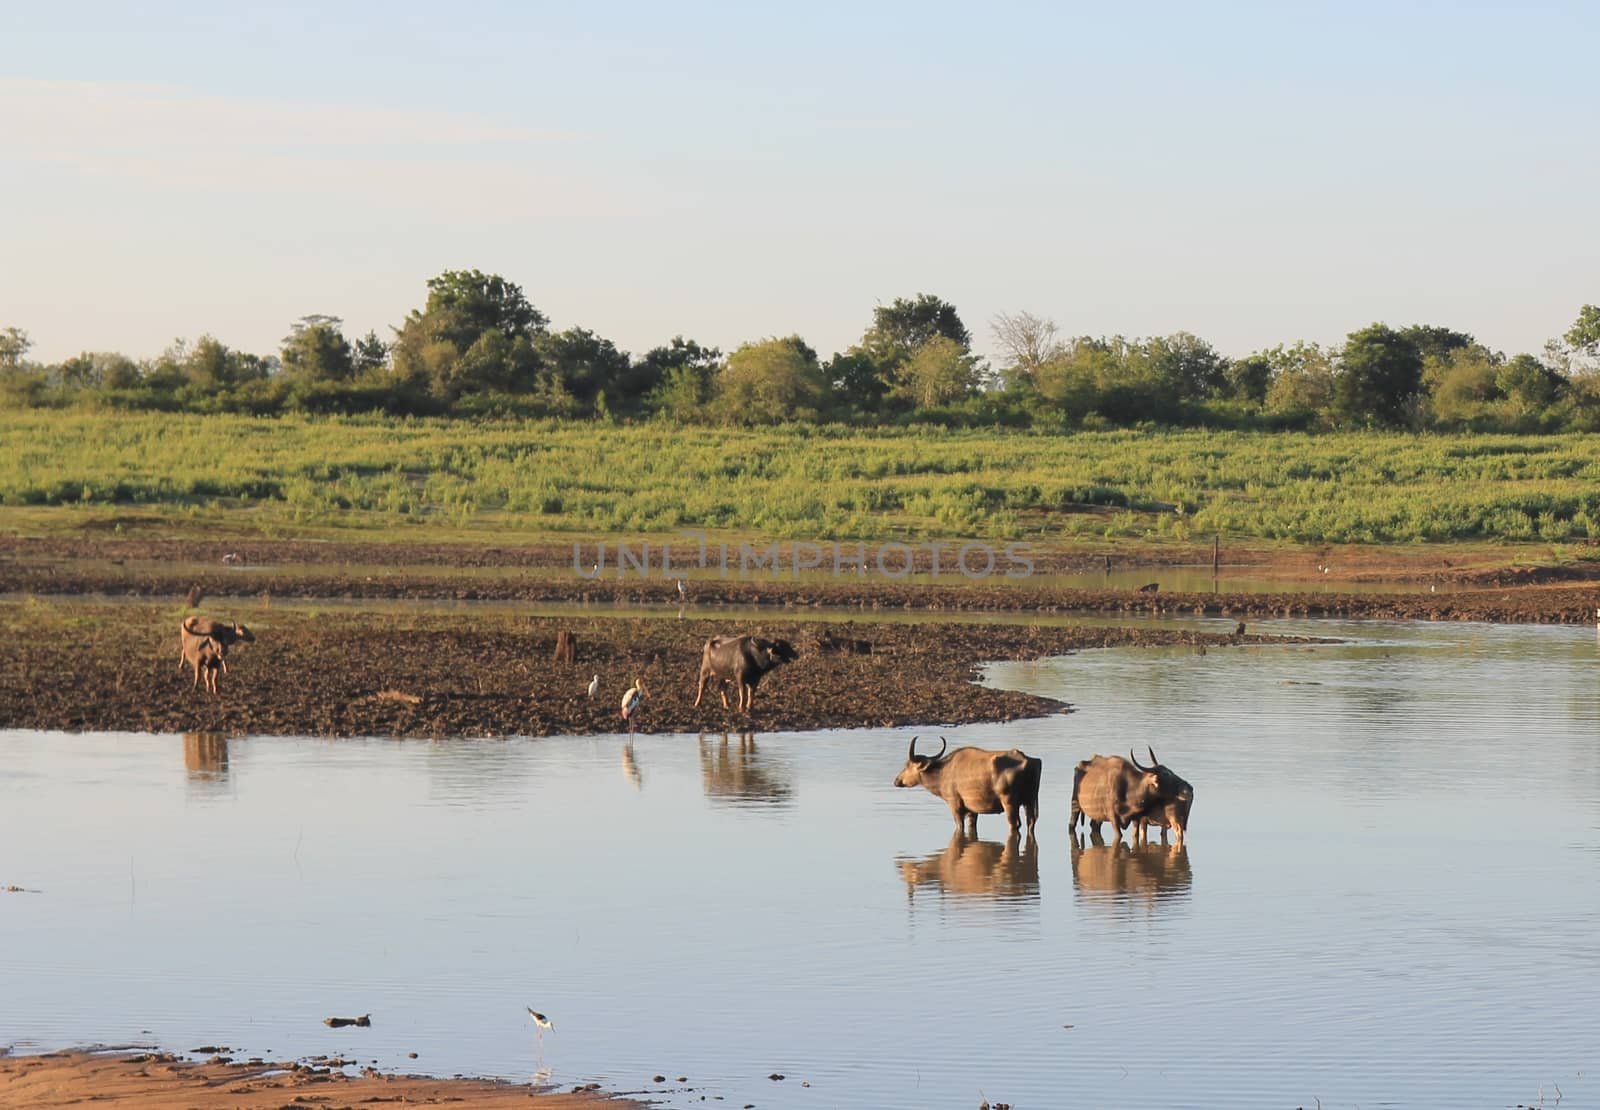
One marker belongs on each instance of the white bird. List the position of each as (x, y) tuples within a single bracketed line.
[(540, 1020), (682, 593), (594, 684)]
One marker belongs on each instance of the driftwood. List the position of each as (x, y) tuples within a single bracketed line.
[(566, 648)]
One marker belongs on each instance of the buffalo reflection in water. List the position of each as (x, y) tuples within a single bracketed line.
[(205, 756), (1126, 874), (740, 774), (977, 868)]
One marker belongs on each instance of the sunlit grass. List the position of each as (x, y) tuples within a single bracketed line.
[(412, 478)]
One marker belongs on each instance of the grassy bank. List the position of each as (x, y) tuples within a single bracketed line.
[(437, 478)]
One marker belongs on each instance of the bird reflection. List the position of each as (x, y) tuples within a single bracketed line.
[(631, 768), (740, 774), (980, 868), (205, 756), (1126, 874)]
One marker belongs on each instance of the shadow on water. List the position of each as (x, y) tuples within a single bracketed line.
[(205, 757), (970, 867), (1123, 876), (740, 774)]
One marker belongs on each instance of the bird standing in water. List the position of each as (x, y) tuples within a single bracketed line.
[(631, 700)]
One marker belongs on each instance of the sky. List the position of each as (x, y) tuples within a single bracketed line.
[(1252, 173)]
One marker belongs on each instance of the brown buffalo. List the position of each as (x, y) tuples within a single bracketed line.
[(745, 659), (981, 868), (1129, 795), (974, 781), (205, 655)]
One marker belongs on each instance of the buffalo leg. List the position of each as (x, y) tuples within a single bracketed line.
[(723, 690), (701, 692), (1013, 818)]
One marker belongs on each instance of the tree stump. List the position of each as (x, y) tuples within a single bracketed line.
[(566, 647)]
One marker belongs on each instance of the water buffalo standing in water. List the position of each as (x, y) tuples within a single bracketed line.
[(1129, 795), (974, 781), (744, 659)]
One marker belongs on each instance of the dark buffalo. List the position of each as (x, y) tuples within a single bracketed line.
[(744, 659), (1110, 788), (974, 781)]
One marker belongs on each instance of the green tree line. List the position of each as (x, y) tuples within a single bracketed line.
[(477, 347)]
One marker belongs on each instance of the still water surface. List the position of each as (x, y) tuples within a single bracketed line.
[(1388, 895)]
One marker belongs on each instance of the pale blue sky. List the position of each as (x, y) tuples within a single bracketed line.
[(1254, 173)]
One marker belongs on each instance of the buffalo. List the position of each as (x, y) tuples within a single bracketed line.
[(745, 659), (974, 781), (1129, 795)]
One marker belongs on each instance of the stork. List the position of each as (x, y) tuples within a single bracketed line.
[(631, 700), (683, 592)]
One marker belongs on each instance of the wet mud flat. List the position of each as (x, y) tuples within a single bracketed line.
[(94, 666), (159, 1081), (1443, 588)]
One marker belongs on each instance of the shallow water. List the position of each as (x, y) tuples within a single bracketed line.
[(1388, 895)]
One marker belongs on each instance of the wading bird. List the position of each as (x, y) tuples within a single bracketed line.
[(631, 700), (594, 684), (682, 591)]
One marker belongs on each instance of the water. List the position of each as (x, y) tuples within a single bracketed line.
[(1387, 897)]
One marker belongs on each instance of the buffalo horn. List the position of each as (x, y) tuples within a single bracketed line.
[(943, 744), (1154, 762), (1136, 763), (912, 754)]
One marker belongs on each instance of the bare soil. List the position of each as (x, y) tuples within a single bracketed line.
[(98, 662), (160, 1081)]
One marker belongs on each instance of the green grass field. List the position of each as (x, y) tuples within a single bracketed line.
[(438, 479)]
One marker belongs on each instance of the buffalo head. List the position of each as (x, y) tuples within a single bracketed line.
[(1168, 797), (911, 773), (779, 651)]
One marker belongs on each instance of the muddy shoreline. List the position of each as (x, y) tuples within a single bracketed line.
[(91, 638), (160, 1080)]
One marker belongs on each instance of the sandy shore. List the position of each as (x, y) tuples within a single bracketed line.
[(161, 1081)]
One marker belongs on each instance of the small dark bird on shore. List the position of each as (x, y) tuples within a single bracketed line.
[(1240, 630)]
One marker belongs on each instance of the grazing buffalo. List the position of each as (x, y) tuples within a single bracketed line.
[(744, 659), (974, 781), (1110, 788)]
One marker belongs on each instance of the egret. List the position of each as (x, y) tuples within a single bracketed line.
[(682, 591), (594, 684)]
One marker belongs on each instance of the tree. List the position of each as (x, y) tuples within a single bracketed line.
[(316, 350), (585, 366), (684, 374), (1302, 380), (900, 328), (1529, 384), (1379, 377), (214, 367), (475, 333), (1027, 342), (1584, 334), (1432, 341), (14, 347), (770, 382), (1462, 383), (938, 372), (1185, 367), (368, 354), (1250, 377)]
